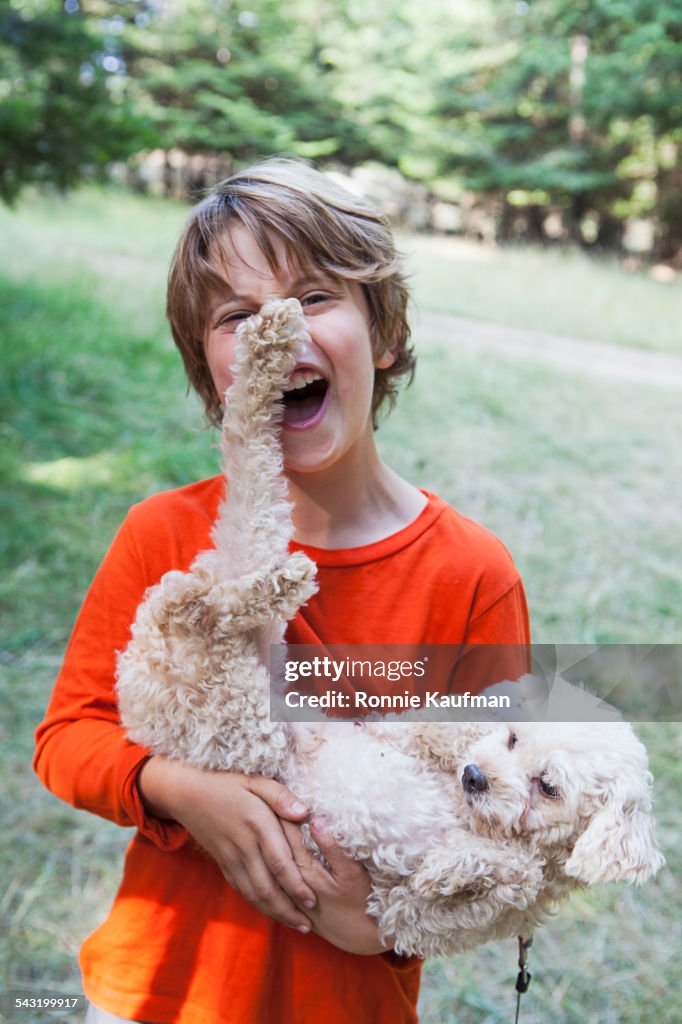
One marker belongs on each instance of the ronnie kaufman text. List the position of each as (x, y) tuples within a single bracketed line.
[(395, 701)]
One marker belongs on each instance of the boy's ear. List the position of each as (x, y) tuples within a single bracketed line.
[(386, 359)]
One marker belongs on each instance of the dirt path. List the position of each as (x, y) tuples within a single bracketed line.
[(594, 358)]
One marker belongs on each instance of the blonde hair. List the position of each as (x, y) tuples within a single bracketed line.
[(322, 226)]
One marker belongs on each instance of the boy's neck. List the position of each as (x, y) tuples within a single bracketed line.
[(349, 506)]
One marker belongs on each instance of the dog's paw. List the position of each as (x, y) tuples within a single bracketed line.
[(280, 314), (279, 324), (295, 570), (293, 583), (474, 870)]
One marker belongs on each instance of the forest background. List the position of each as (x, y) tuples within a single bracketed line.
[(562, 118)]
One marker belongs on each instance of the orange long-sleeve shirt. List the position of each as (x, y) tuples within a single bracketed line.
[(179, 945)]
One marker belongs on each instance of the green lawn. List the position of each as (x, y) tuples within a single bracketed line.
[(579, 475), (555, 290)]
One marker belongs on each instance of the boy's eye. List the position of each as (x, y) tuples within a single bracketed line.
[(315, 298), (233, 319)]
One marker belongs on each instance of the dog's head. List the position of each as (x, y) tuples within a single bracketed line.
[(581, 788)]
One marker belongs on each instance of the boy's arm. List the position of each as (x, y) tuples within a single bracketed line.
[(82, 753), (237, 820)]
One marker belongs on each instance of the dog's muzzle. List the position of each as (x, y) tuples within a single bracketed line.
[(474, 780)]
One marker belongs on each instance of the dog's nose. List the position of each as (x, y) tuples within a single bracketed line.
[(474, 780)]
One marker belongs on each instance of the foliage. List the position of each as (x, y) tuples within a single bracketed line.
[(567, 104), (245, 82), (573, 104), (60, 108)]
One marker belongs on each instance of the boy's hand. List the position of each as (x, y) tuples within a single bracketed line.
[(340, 914), (236, 819)]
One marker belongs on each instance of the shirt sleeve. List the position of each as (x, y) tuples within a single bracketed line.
[(497, 642), (82, 753), (504, 621)]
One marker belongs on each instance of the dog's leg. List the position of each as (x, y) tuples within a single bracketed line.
[(254, 526), (462, 889), (470, 867), (193, 683)]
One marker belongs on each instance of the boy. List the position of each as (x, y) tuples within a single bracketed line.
[(258, 932)]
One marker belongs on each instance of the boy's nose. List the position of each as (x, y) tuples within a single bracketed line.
[(474, 780)]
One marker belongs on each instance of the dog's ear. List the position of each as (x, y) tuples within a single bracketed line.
[(618, 845)]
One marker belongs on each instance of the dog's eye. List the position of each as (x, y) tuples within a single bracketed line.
[(511, 743), (549, 791)]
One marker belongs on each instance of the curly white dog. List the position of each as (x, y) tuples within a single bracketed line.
[(468, 831)]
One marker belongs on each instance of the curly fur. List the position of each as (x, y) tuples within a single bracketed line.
[(193, 682), (449, 868)]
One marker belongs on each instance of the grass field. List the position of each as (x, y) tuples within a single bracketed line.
[(581, 476), (553, 290)]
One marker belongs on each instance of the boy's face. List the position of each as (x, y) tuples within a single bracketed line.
[(327, 414)]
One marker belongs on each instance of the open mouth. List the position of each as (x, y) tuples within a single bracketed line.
[(304, 398)]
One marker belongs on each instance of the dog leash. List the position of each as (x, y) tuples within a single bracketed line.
[(524, 976)]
